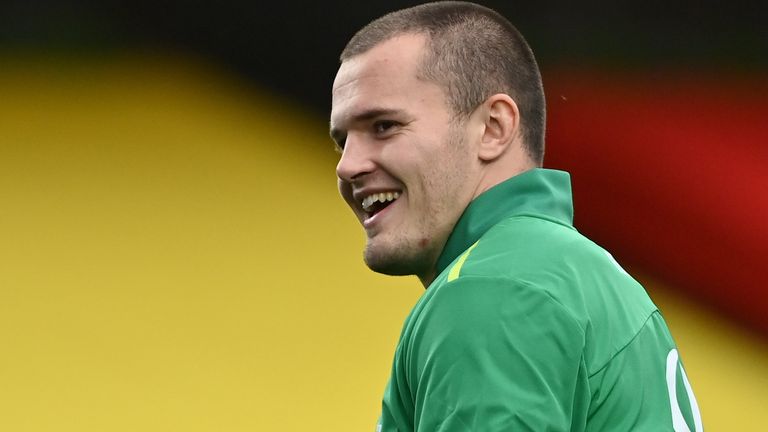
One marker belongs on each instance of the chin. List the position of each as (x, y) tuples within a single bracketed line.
[(398, 260), (389, 268)]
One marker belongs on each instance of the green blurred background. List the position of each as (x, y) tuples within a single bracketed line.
[(174, 252)]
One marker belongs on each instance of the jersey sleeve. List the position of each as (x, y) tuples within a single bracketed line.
[(494, 355), (644, 386)]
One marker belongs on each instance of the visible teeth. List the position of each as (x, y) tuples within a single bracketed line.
[(380, 197)]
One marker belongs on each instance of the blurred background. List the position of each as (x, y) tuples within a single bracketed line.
[(175, 256)]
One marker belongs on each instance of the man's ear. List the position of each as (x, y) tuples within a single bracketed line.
[(501, 126)]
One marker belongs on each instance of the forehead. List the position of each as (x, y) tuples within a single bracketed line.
[(384, 77), (400, 53)]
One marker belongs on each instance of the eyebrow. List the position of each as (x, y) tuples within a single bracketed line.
[(339, 134)]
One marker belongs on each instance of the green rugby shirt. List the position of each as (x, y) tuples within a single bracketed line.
[(530, 326)]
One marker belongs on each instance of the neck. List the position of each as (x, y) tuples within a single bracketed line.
[(494, 174), (497, 174), (426, 280)]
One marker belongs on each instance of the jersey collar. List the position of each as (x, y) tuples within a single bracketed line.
[(540, 193)]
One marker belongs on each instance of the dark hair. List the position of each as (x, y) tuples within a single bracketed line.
[(473, 53)]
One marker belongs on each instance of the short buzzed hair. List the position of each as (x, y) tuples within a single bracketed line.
[(473, 53)]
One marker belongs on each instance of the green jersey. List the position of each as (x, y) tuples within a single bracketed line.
[(530, 326)]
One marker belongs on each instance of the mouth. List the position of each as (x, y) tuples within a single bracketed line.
[(374, 204)]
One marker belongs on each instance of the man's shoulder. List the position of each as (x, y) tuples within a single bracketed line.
[(542, 252), (534, 234), (530, 257), (481, 302), (453, 313)]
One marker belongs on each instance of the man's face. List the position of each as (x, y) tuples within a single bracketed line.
[(406, 169)]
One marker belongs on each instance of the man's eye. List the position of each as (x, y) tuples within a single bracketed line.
[(383, 126)]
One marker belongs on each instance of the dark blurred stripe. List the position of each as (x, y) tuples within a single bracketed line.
[(671, 173)]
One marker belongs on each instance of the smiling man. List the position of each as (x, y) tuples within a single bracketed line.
[(525, 324)]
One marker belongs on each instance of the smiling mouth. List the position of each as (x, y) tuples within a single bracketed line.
[(374, 203)]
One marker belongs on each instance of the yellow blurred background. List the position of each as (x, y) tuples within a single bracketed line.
[(175, 257)]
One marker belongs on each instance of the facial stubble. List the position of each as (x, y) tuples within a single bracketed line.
[(414, 248)]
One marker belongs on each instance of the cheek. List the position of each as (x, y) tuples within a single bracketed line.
[(346, 192)]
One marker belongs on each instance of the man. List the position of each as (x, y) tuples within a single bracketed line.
[(438, 112)]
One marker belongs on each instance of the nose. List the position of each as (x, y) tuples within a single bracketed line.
[(356, 160)]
